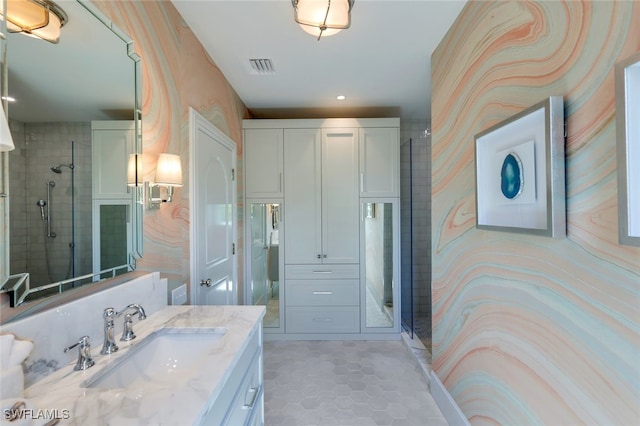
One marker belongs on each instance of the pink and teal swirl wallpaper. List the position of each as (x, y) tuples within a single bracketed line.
[(177, 74), (527, 329)]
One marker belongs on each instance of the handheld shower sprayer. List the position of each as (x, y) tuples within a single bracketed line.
[(41, 204)]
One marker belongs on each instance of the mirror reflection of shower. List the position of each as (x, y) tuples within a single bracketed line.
[(47, 214)]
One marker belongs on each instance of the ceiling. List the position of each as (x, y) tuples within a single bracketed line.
[(381, 63)]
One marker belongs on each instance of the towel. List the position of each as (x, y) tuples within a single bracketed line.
[(13, 352)]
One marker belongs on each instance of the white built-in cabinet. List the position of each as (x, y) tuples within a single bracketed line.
[(263, 146), (327, 178), (111, 144), (379, 162), (321, 196)]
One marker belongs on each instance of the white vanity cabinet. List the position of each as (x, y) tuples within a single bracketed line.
[(241, 401), (263, 147)]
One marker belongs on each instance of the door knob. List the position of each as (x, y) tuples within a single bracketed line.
[(206, 282)]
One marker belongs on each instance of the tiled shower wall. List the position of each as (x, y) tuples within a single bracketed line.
[(40, 146), (417, 132)]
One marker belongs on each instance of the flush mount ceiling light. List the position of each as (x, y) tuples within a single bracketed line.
[(322, 17), (38, 18)]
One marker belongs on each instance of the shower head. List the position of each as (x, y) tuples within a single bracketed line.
[(58, 169)]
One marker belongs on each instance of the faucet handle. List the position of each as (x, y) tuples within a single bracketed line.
[(127, 331), (84, 354)]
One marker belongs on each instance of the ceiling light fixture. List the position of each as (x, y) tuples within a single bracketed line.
[(341, 97), (322, 17), (38, 18)]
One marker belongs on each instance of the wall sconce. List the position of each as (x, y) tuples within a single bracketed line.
[(169, 176), (6, 140), (38, 18), (322, 17)]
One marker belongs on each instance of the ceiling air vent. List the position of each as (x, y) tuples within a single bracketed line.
[(261, 66)]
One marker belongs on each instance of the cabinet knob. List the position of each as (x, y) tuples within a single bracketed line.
[(319, 256), (206, 283)]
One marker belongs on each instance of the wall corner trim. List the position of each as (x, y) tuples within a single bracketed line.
[(445, 402)]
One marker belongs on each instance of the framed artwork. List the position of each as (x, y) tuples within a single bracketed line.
[(627, 73), (520, 172)]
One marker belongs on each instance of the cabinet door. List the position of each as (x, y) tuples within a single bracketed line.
[(379, 162), (302, 196), (111, 144), (340, 203), (263, 162)]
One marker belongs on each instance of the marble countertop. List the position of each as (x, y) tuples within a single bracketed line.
[(181, 402)]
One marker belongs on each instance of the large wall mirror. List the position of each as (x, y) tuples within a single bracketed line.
[(75, 117)]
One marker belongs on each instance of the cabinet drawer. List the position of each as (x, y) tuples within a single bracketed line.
[(322, 292), (322, 272), (323, 320), (225, 400), (248, 395)]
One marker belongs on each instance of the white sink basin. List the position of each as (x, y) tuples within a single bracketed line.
[(159, 357)]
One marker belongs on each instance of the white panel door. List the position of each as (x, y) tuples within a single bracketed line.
[(213, 209), (303, 244), (340, 201)]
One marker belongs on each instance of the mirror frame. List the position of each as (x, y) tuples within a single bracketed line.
[(21, 288), (628, 207)]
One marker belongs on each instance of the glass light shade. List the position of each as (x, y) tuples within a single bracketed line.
[(134, 170), (313, 18), (169, 170), (6, 140), (39, 18)]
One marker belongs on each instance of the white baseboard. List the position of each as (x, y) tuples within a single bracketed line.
[(445, 402)]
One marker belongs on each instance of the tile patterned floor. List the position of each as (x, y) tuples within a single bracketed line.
[(333, 383)]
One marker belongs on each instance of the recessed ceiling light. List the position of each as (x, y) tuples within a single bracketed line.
[(9, 98), (341, 97)]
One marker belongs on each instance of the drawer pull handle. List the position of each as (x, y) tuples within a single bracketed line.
[(254, 395), (322, 292), (323, 319), (322, 272)]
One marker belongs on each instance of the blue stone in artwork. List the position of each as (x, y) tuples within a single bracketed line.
[(511, 179)]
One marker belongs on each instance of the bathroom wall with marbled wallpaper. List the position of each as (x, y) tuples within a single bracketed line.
[(177, 74), (528, 329)]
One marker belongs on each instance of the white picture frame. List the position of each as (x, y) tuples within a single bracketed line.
[(520, 172), (627, 80)]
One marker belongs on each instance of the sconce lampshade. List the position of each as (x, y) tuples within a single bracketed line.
[(322, 17), (39, 18), (6, 140), (169, 170), (134, 170)]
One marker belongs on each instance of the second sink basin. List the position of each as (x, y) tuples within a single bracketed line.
[(159, 357)]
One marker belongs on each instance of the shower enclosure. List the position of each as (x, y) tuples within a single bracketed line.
[(51, 200), (415, 230)]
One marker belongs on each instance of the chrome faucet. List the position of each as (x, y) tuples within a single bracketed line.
[(84, 354), (109, 315)]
